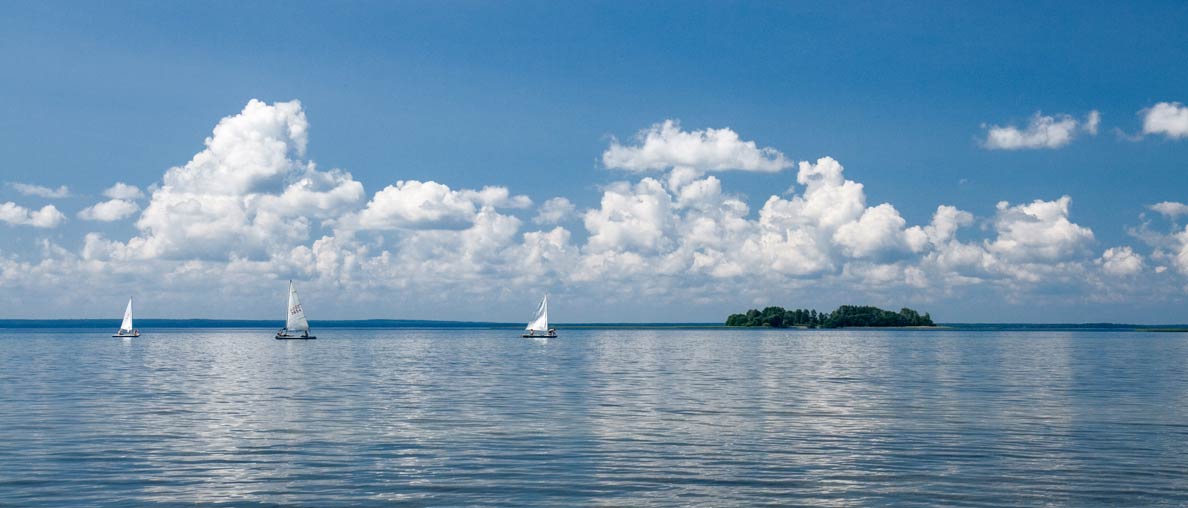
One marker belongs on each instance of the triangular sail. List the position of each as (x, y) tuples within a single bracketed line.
[(126, 325), (296, 315), (540, 319)]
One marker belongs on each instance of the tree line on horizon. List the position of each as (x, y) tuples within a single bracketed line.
[(844, 316)]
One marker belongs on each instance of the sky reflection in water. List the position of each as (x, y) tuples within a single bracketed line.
[(605, 417)]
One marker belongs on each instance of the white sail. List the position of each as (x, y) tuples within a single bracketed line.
[(540, 319), (126, 326), (296, 315)]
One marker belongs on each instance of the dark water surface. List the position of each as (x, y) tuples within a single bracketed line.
[(599, 417)]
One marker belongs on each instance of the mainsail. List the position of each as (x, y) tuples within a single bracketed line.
[(126, 325), (540, 319), (296, 316)]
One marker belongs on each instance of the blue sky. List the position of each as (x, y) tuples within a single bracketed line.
[(529, 96)]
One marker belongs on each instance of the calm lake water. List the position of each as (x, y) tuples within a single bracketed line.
[(605, 417)]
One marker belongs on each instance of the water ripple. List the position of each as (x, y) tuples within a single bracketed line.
[(654, 418)]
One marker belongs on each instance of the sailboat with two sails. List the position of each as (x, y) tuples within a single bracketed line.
[(126, 330), (296, 326), (538, 326)]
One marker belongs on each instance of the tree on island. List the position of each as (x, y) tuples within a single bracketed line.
[(844, 316)]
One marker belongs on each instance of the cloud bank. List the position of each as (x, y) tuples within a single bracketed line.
[(248, 211)]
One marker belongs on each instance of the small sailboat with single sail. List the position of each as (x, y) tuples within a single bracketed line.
[(296, 326), (126, 329), (538, 326)]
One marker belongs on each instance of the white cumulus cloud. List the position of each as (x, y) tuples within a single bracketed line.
[(1180, 258), (1038, 231), (1092, 122), (1121, 261), (247, 194), (1042, 131), (665, 145), (411, 204), (879, 230), (1170, 209), (40, 190), (631, 217), (554, 210), (945, 223), (1167, 118), (47, 217), (124, 191), (108, 211)]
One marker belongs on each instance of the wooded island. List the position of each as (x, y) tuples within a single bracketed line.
[(844, 316)]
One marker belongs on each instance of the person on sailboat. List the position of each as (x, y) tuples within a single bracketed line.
[(531, 332)]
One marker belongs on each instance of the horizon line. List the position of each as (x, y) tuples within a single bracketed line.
[(411, 323)]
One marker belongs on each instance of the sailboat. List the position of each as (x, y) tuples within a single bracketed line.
[(538, 326), (126, 329), (296, 326)]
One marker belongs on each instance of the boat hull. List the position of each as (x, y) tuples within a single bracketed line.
[(126, 336), (552, 336), (294, 337)]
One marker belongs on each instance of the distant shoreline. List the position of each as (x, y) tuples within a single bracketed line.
[(146, 324)]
